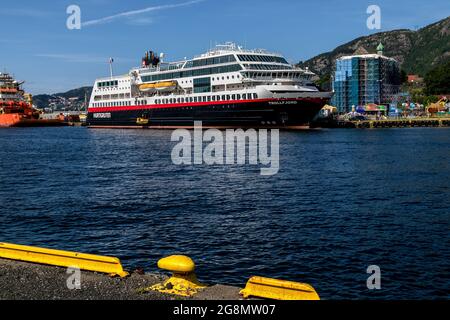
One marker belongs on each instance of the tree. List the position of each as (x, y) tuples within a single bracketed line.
[(403, 76), (324, 83), (437, 80)]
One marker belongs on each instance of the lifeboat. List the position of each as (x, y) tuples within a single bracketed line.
[(158, 86)]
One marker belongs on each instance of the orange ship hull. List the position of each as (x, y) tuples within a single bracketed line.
[(15, 120)]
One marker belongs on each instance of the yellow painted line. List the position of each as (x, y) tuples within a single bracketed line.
[(61, 258)]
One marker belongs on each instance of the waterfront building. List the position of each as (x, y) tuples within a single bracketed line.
[(365, 79)]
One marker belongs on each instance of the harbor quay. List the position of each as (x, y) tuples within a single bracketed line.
[(384, 123), (27, 281)]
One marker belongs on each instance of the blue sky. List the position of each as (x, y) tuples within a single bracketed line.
[(37, 47)]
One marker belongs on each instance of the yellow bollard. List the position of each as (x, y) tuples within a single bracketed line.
[(183, 281)]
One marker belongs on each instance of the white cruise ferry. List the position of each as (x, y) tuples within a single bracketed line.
[(227, 87)]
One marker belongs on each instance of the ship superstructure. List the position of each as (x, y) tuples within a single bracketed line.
[(226, 87), (12, 96)]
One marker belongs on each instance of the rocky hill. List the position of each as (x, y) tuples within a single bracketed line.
[(417, 51), (72, 100)]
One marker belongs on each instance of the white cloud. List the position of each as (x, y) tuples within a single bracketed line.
[(79, 58), (140, 21), (24, 12), (136, 12)]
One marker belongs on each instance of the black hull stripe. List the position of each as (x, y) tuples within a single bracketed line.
[(254, 115)]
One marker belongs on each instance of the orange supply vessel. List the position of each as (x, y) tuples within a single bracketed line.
[(16, 107)]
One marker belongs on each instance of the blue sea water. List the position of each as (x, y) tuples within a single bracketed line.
[(343, 200)]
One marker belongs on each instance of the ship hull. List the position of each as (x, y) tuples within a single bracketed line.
[(279, 113), (15, 120)]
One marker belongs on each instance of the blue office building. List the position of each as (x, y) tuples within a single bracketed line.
[(365, 79)]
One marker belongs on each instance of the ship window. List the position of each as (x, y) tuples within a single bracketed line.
[(239, 97), (202, 85), (233, 97), (228, 97), (213, 98), (209, 98), (255, 96)]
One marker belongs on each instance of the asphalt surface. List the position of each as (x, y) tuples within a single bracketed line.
[(27, 281)]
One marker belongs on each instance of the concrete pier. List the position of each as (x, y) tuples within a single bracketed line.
[(29, 281), (402, 123), (389, 123)]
